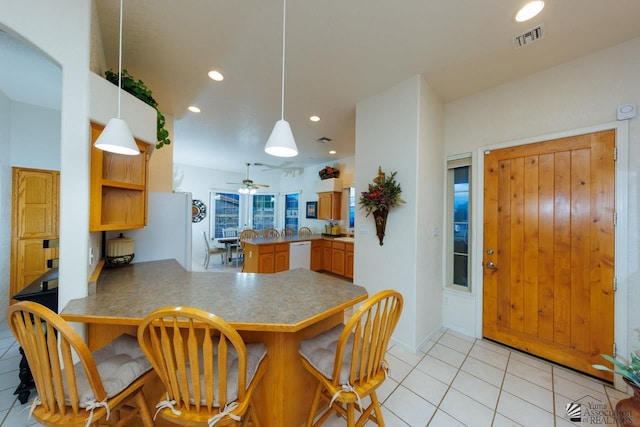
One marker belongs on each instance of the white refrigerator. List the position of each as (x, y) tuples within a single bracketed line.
[(168, 231)]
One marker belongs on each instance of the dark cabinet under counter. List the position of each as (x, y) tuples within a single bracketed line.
[(43, 290)]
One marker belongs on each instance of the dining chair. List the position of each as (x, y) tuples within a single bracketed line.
[(208, 251), (246, 234), (287, 232), (270, 233), (348, 360), (208, 372), (304, 231), (231, 246), (104, 386)]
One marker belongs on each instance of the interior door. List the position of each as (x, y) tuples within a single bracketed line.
[(549, 249)]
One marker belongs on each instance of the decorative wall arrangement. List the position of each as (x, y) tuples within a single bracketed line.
[(383, 194), (329, 172)]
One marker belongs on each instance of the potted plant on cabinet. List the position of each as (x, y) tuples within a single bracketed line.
[(138, 89)]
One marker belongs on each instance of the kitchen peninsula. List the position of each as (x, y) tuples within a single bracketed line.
[(278, 309), (271, 255)]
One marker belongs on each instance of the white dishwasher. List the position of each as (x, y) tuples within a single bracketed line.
[(299, 255)]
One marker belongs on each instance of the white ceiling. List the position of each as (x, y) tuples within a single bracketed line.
[(338, 53)]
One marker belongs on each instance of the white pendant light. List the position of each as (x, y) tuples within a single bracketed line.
[(116, 137), (281, 142)]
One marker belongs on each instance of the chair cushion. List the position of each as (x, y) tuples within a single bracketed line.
[(119, 363), (320, 352), (255, 353)]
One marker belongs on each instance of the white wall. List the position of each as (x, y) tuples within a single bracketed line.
[(35, 136), (430, 225), (578, 94), (200, 181), (39, 23), (5, 198), (306, 182), (400, 130)]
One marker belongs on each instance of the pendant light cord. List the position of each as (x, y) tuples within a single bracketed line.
[(284, 19), (120, 60)]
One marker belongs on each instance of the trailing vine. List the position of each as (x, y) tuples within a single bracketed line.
[(138, 89)]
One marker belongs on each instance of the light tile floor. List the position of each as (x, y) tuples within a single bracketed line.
[(455, 381)]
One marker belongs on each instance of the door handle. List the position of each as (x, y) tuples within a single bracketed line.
[(491, 265)]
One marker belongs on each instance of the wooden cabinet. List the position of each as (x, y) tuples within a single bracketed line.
[(266, 258), (329, 205), (326, 255), (118, 187), (281, 261), (348, 260), (34, 218), (337, 258), (316, 255)]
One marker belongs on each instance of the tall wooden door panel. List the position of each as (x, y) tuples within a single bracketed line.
[(37, 212), (34, 218), (549, 249)]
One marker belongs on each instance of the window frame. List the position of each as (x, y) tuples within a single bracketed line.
[(298, 195), (454, 162), (212, 215), (250, 210)]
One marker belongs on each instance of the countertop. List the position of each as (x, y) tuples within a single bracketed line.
[(286, 301), (296, 238)]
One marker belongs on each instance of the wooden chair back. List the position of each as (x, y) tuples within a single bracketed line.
[(287, 232), (270, 233), (304, 231), (370, 328), (50, 344), (359, 367), (248, 234), (179, 341)]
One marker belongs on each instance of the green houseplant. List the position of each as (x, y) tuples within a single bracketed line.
[(630, 370), (138, 89)]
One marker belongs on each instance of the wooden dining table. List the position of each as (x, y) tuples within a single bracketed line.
[(278, 309)]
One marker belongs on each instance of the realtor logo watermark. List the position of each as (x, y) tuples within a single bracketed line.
[(591, 411)]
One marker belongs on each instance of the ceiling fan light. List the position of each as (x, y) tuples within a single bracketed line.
[(281, 142), (253, 191), (243, 190), (116, 138)]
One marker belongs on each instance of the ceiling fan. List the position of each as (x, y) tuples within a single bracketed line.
[(247, 186), (284, 167)]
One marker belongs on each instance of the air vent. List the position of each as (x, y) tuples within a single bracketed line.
[(528, 37), (323, 139)]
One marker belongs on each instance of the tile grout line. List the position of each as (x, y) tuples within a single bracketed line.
[(450, 385)]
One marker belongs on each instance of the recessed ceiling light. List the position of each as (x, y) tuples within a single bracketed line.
[(332, 152), (193, 109), (314, 118), (216, 75), (529, 10)]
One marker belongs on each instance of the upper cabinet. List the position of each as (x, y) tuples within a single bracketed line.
[(329, 205), (329, 198), (118, 187)]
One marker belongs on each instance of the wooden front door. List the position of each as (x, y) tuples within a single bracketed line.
[(549, 249)]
